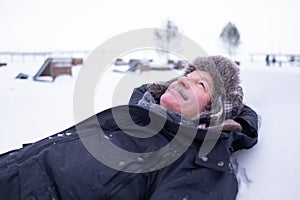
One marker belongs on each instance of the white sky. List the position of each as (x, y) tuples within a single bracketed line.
[(34, 25)]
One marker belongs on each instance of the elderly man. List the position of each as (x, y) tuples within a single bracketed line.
[(204, 107)]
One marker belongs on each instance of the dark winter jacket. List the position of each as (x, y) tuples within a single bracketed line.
[(63, 167)]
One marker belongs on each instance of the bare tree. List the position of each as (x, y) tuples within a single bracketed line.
[(165, 38), (230, 37)]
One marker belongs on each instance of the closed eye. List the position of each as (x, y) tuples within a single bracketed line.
[(202, 84)]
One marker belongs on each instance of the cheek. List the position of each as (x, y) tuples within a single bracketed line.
[(201, 100)]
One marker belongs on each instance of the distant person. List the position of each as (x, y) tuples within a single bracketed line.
[(292, 59), (274, 60), (205, 107), (267, 59)]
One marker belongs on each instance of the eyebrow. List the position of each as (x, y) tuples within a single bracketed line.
[(205, 79)]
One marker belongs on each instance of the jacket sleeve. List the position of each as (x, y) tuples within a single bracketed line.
[(247, 138), (138, 93)]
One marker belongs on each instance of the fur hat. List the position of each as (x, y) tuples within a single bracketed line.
[(223, 71), (227, 97)]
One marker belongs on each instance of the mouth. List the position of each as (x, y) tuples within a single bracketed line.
[(180, 91)]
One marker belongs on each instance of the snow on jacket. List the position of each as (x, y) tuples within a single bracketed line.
[(61, 167)]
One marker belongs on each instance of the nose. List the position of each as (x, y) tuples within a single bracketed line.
[(184, 81)]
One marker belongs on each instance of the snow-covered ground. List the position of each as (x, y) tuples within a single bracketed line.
[(31, 110)]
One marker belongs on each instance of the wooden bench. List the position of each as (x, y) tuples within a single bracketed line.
[(54, 67)]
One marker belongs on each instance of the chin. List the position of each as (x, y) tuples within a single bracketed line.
[(167, 103)]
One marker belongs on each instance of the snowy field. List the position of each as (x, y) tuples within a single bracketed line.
[(31, 110)]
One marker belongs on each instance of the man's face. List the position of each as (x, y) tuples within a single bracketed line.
[(190, 94)]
